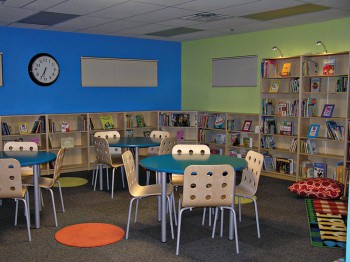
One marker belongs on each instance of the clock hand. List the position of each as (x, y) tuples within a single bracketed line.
[(43, 73)]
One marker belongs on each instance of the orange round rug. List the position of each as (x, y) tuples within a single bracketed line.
[(89, 235)]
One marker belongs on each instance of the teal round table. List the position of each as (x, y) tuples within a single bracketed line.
[(177, 164), (30, 158)]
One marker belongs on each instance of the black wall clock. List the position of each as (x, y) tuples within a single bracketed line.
[(43, 69)]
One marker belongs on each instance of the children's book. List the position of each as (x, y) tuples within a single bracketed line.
[(329, 66), (140, 121), (107, 122), (268, 163), (64, 126), (313, 131), (235, 138), (320, 170), (275, 85), (220, 122), (247, 142), (315, 85), (285, 69), (180, 135)]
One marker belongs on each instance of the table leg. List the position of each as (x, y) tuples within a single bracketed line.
[(163, 202), (159, 199), (36, 175)]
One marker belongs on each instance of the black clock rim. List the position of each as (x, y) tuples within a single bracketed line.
[(33, 78)]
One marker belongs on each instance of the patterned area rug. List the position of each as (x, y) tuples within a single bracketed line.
[(327, 222)]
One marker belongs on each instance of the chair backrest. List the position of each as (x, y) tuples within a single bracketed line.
[(186, 149), (166, 145), (251, 174), (208, 185), (21, 146), (157, 134), (130, 171), (10, 178), (115, 151), (58, 165), (103, 155)]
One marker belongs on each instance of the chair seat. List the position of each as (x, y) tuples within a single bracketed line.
[(150, 190), (44, 182), (243, 191)]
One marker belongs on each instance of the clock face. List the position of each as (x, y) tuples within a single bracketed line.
[(43, 69)]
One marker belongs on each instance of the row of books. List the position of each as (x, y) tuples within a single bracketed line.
[(311, 67), (212, 121), (174, 119), (288, 108), (278, 164), (5, 129), (267, 142), (334, 131), (269, 125), (308, 146), (308, 107), (208, 136), (309, 169), (342, 84)]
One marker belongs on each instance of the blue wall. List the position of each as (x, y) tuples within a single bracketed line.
[(19, 95)]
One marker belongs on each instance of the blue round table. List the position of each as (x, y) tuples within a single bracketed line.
[(34, 159), (177, 164)]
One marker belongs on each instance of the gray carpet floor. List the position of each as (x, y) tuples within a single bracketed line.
[(283, 223)]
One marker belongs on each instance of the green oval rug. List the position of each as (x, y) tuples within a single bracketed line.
[(244, 200), (71, 181)]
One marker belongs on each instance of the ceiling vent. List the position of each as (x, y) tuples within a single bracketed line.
[(205, 17)]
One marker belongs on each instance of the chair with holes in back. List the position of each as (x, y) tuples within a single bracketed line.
[(139, 192), (104, 157), (249, 182), (49, 182), (207, 186), (11, 186), (22, 146), (153, 151), (116, 153)]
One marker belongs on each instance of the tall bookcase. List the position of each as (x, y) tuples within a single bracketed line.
[(296, 94)]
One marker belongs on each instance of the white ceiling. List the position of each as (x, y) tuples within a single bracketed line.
[(138, 18)]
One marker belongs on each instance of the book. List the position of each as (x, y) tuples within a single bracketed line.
[(247, 142), (140, 121), (320, 170), (64, 126), (23, 127), (275, 85), (282, 109), (329, 66), (230, 124), (180, 135), (268, 164), (146, 133), (107, 122), (220, 138), (315, 84), (285, 69), (220, 122), (286, 128), (36, 140), (313, 131), (307, 169), (180, 120), (235, 138), (283, 165), (67, 142), (327, 110), (216, 151)]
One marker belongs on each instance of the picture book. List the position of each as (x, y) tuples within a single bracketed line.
[(328, 110), (67, 142), (107, 122), (230, 124), (180, 135), (146, 133), (216, 151), (329, 66), (23, 127), (315, 85), (285, 69), (283, 165), (282, 109), (220, 138), (35, 140), (219, 122), (320, 170), (180, 120), (268, 163), (313, 131), (286, 128), (247, 142), (307, 169), (275, 85), (64, 126), (140, 121), (235, 139), (246, 125)]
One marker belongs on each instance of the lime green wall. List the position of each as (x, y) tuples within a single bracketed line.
[(197, 93)]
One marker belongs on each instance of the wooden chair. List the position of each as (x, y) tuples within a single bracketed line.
[(139, 192), (22, 146), (11, 187), (48, 182), (207, 186), (249, 182), (104, 157)]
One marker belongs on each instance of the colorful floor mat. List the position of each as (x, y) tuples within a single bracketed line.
[(327, 222)]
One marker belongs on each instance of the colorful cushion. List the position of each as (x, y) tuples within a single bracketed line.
[(322, 188)]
